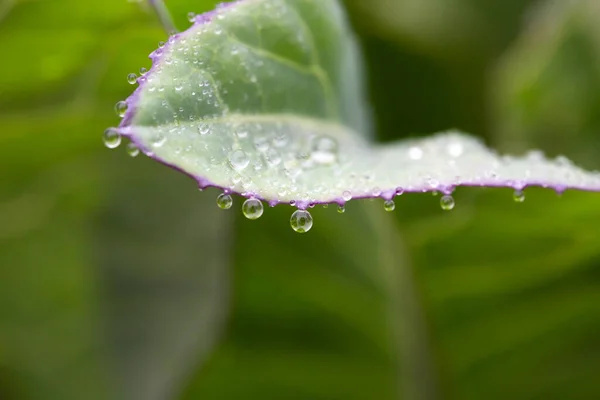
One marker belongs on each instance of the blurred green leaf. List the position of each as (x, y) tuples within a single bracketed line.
[(547, 89)]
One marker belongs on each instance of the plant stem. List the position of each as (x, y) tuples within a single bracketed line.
[(163, 14), (417, 375)]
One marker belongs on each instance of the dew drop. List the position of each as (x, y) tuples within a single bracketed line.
[(301, 221), (238, 159), (324, 150), (347, 195), (415, 153), (224, 201), (203, 129), (261, 143), (519, 196), (132, 78), (143, 70), (111, 138), (121, 108), (158, 140), (252, 209), (191, 16), (341, 209), (389, 205), (447, 202), (132, 150)]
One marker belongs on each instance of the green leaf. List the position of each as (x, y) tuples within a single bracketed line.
[(263, 98), (547, 89)]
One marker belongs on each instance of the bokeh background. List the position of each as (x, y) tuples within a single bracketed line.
[(119, 280)]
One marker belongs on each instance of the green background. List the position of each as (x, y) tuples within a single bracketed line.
[(119, 280)]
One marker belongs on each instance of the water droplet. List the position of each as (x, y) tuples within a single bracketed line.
[(252, 209), (325, 205), (203, 129), (111, 138), (261, 143), (224, 201), (455, 149), (399, 191), (238, 160), (301, 221), (324, 150), (132, 78), (519, 196), (415, 153), (242, 133), (161, 44), (347, 195), (158, 140), (447, 202), (341, 209), (281, 139), (121, 108), (273, 157), (191, 16), (389, 205), (132, 150), (143, 70)]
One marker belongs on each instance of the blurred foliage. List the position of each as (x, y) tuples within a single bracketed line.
[(116, 275)]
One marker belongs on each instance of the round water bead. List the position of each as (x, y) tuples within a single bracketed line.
[(238, 160), (519, 196), (111, 138), (447, 202), (132, 150), (121, 108), (389, 205), (341, 209), (252, 209), (132, 78), (224, 201), (301, 221)]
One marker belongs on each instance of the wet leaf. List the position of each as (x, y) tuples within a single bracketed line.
[(263, 98)]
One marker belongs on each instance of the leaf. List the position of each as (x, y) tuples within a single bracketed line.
[(67, 303), (547, 86), (255, 98)]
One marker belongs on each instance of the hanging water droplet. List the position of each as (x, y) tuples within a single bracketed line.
[(447, 202), (132, 78), (301, 221), (399, 191), (519, 196), (325, 205), (324, 150), (111, 138), (143, 70), (238, 160), (132, 150), (121, 108), (224, 201), (389, 205), (347, 195), (341, 209), (253, 209), (191, 16)]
